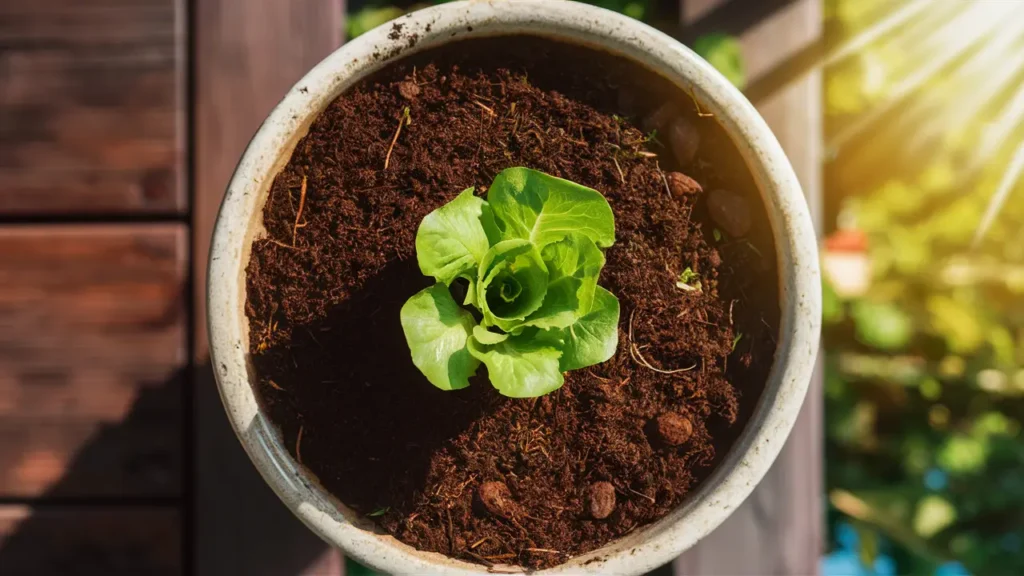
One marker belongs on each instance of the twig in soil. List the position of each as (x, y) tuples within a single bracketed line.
[(451, 531), (700, 113), (463, 486), (283, 245), (405, 119), (310, 332), (483, 560), (501, 557), (518, 525), (634, 352), (731, 304), (664, 180), (642, 495), (298, 213), (754, 248), (298, 445), (615, 158), (271, 326), (479, 542), (542, 550), (488, 109), (771, 333)]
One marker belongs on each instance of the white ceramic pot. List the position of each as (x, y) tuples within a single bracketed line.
[(240, 221)]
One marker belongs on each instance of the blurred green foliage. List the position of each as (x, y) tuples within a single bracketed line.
[(725, 54), (924, 385)]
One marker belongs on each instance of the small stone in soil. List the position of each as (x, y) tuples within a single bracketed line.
[(408, 89), (495, 498), (601, 500), (730, 211), (681, 185), (715, 258), (674, 429), (684, 140)]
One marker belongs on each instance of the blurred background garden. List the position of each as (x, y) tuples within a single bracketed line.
[(924, 262), (924, 276)]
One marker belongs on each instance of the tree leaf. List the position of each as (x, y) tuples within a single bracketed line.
[(725, 54), (595, 336), (511, 268), (451, 241), (522, 366), (534, 206), (436, 330)]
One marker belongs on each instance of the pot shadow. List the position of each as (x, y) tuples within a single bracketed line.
[(371, 424), (121, 505), (115, 509)]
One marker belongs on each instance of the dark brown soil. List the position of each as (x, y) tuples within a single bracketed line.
[(470, 473)]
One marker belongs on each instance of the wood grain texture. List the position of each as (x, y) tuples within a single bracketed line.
[(779, 529), (92, 343), (80, 541), (249, 53), (91, 107)]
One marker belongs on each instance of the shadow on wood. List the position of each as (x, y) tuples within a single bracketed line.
[(63, 533), (240, 526)]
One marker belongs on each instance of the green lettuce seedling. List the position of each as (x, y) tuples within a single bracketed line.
[(531, 256)]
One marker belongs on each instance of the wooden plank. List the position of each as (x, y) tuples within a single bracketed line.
[(250, 53), (779, 529), (91, 350), (110, 541), (91, 107)]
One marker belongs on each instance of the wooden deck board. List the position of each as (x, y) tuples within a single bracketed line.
[(107, 541), (91, 107), (92, 343)]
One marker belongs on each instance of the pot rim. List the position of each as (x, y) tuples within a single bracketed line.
[(240, 221)]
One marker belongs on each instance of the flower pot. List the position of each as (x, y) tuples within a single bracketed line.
[(240, 222)]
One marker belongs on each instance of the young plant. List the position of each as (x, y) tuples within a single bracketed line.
[(530, 255)]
